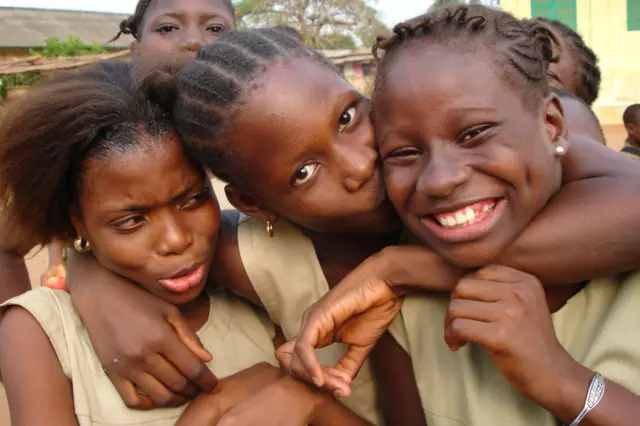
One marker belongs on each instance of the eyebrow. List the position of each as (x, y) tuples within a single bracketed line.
[(137, 208)]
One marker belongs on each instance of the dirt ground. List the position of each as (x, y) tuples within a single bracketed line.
[(37, 263)]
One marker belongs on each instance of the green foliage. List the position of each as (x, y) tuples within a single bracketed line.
[(339, 42), (54, 48)]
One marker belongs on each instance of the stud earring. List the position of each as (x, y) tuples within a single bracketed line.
[(269, 229), (81, 245), (560, 150)]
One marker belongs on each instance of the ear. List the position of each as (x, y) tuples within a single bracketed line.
[(555, 124), (78, 224), (248, 204), (134, 50)]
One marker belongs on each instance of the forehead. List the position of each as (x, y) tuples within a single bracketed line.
[(146, 173), (293, 102), (192, 7), (427, 77)]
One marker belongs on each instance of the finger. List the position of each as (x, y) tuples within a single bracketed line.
[(473, 309), (191, 366), (334, 381), (480, 290), (304, 355), (130, 395), (467, 330), (156, 391), (351, 363), (499, 273), (284, 354), (189, 337), (165, 372)]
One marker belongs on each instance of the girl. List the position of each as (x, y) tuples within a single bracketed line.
[(320, 175), (86, 158), (500, 159), (170, 25)]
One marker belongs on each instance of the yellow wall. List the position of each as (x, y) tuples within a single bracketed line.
[(603, 25)]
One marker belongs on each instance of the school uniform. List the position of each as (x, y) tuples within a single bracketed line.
[(287, 276), (598, 327), (237, 336), (631, 151)]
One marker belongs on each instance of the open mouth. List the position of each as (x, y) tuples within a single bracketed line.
[(468, 222), (185, 279)]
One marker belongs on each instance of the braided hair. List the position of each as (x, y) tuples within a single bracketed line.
[(133, 24), (588, 69), (522, 51), (210, 89)]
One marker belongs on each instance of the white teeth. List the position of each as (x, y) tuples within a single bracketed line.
[(462, 218)]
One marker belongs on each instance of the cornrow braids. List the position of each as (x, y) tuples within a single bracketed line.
[(522, 50), (587, 60), (212, 87), (133, 24)]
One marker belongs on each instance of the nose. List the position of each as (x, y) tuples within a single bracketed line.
[(175, 237), (192, 39), (443, 175), (358, 166)]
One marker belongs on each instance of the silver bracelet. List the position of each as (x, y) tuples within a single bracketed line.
[(594, 396)]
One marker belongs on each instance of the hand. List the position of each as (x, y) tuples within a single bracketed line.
[(209, 408), (505, 311), (356, 312), (148, 351), (286, 402), (55, 277)]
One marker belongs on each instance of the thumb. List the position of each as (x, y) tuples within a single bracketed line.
[(284, 354), (188, 337), (351, 363)]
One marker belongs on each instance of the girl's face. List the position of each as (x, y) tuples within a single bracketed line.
[(151, 217), (171, 26), (466, 163), (305, 140)]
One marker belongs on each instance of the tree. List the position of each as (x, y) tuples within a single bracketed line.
[(320, 22)]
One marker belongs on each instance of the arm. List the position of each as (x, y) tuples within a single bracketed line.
[(398, 394), (289, 402), (31, 372)]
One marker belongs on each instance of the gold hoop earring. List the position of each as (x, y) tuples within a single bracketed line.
[(81, 245), (269, 229)]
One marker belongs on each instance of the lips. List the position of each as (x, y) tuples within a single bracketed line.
[(466, 223), (185, 279)]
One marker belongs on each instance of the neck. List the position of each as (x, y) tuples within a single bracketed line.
[(633, 143), (196, 312)]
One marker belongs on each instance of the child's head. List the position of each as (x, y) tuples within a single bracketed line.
[(576, 68), (291, 136), (169, 26), (292, 32), (467, 130), (580, 119), (631, 119), (83, 155)]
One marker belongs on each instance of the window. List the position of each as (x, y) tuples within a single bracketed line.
[(560, 10), (633, 15)]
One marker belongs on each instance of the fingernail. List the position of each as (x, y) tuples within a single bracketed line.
[(339, 394)]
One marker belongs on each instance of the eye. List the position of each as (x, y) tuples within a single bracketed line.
[(303, 174), (472, 133), (167, 28), (347, 118), (217, 29), (403, 153), (196, 200), (128, 223)]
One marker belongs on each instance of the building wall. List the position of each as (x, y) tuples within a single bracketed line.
[(603, 25)]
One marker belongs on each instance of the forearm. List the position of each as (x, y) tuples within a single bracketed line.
[(56, 253), (13, 276), (586, 231), (618, 407)]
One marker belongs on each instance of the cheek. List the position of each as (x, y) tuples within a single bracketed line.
[(123, 252), (400, 183)]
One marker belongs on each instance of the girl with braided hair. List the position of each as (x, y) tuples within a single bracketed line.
[(294, 141), (159, 27), (471, 156)]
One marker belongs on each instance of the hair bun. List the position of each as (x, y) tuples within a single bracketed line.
[(158, 81)]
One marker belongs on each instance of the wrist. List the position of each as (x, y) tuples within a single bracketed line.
[(565, 395), (312, 400), (385, 266)]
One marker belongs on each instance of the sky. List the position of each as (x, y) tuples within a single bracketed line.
[(392, 11)]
